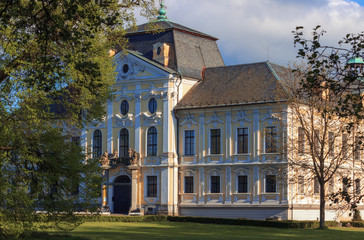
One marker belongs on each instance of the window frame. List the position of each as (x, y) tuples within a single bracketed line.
[(190, 188), (218, 149), (301, 140), (266, 183), (124, 107), (215, 187), (152, 105), (97, 150), (152, 187), (344, 144), (331, 140), (152, 142), (125, 147), (189, 143), (357, 182), (357, 149), (245, 142), (238, 184), (274, 138), (316, 185), (301, 184)]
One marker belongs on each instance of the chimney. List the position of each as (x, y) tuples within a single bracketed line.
[(162, 53)]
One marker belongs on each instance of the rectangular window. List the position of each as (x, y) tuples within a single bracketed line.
[(215, 184), (316, 142), (301, 184), (345, 182), (242, 140), (357, 150), (190, 142), (316, 186), (301, 140), (215, 141), (357, 186), (270, 183), (271, 140), (152, 186), (188, 184), (76, 141), (331, 185), (331, 144), (242, 184), (344, 140)]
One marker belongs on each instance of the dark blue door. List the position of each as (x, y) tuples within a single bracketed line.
[(122, 195)]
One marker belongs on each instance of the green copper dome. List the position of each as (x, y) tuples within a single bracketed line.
[(357, 60), (162, 13)]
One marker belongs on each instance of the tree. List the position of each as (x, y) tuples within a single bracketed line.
[(55, 71), (328, 105)]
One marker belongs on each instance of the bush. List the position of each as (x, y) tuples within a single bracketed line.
[(354, 224), (227, 221), (101, 218), (356, 217), (246, 222)]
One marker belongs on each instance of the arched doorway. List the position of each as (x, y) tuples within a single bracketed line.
[(122, 194)]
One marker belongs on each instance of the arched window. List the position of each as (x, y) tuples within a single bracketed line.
[(124, 107), (152, 142), (97, 144), (152, 105), (124, 143), (122, 179)]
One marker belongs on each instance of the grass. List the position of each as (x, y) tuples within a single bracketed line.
[(174, 230)]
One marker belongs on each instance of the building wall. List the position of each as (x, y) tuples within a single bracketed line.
[(171, 164), (229, 164)]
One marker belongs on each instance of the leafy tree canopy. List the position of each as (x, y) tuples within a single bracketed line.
[(55, 71), (329, 69)]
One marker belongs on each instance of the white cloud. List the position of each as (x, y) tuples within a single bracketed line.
[(247, 29)]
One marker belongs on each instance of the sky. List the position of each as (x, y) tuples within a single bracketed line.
[(260, 30)]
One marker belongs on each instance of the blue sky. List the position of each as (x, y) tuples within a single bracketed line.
[(255, 31)]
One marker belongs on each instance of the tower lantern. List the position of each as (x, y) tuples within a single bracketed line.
[(356, 64)]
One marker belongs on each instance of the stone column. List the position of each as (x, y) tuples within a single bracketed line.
[(105, 206), (134, 186)]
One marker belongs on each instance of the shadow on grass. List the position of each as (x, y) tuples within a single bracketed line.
[(168, 230)]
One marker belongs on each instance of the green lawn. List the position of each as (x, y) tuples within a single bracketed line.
[(173, 230)]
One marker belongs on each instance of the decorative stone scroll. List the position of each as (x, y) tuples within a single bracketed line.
[(151, 120)]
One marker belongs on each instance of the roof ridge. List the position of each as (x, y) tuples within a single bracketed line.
[(236, 65), (277, 78)]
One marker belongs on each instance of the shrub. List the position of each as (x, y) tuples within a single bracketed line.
[(356, 216), (246, 222), (101, 218)]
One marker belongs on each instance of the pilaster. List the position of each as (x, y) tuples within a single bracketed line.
[(228, 136), (137, 98), (201, 194), (256, 138), (201, 138), (228, 185), (109, 127), (256, 188)]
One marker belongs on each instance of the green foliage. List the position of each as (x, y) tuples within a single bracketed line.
[(334, 88), (55, 74), (100, 218), (359, 224), (357, 216), (249, 222), (328, 69), (225, 221)]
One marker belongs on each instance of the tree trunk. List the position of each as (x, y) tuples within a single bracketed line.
[(322, 205)]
